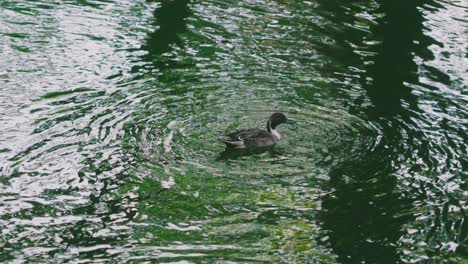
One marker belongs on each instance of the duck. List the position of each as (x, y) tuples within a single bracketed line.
[(256, 137)]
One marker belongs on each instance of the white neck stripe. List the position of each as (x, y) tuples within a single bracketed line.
[(275, 133)]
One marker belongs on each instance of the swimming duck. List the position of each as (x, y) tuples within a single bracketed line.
[(255, 137)]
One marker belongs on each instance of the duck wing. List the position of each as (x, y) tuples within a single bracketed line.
[(247, 133)]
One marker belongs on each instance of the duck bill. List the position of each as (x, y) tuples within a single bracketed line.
[(290, 121)]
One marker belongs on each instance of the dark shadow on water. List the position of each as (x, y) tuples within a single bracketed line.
[(230, 153), (170, 22), (365, 210), (393, 67)]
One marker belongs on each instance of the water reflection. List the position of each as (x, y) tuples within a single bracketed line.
[(365, 211), (232, 153), (400, 31), (170, 20), (143, 95)]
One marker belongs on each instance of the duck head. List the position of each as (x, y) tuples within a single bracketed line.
[(276, 119)]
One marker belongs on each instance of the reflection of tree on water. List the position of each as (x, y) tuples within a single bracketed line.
[(362, 214), (170, 21), (365, 212), (400, 31)]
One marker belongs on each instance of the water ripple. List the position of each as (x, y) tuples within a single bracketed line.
[(110, 113)]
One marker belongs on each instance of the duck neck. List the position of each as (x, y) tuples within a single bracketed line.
[(269, 126), (273, 131)]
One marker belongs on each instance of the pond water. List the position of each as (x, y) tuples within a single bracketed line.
[(103, 103)]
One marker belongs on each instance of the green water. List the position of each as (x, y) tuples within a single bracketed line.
[(103, 102)]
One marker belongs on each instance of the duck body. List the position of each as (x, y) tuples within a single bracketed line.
[(253, 137), (256, 137)]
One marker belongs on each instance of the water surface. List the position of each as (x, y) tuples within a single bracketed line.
[(104, 102)]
